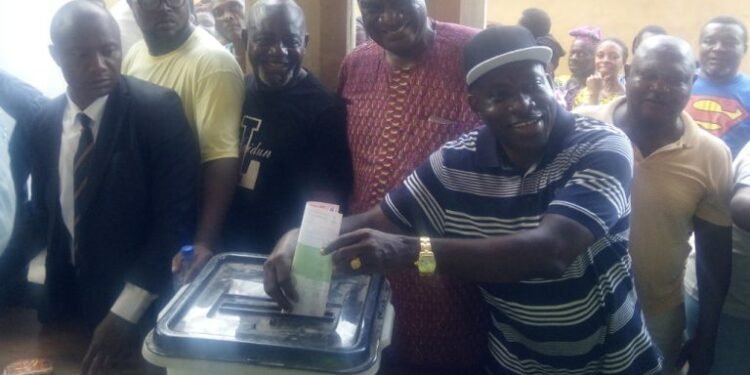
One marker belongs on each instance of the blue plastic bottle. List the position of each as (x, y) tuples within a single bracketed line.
[(188, 257)]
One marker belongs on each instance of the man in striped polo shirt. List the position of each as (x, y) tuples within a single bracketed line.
[(533, 207)]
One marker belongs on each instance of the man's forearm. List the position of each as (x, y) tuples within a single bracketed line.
[(522, 256), (219, 179), (544, 252), (713, 283), (713, 269), (741, 208), (375, 218)]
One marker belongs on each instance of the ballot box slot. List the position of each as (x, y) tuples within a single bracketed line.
[(247, 305)]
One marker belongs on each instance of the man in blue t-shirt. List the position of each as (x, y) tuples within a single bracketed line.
[(720, 102), (533, 207)]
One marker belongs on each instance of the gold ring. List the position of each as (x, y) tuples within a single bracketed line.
[(355, 264)]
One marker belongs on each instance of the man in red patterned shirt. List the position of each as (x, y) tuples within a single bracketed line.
[(406, 96)]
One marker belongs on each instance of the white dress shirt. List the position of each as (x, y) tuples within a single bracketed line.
[(133, 301)]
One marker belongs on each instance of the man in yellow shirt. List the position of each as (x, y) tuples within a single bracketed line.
[(681, 185), (209, 81)]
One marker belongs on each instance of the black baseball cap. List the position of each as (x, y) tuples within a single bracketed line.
[(500, 45)]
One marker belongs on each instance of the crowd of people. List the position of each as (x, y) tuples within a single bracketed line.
[(528, 223)]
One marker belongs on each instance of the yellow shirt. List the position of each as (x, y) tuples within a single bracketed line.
[(582, 98), (209, 82), (688, 178)]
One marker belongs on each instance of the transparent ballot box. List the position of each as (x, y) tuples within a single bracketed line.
[(224, 323)]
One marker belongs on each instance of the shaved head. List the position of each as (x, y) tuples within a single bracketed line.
[(263, 9), (665, 47), (80, 13), (86, 47), (660, 80)]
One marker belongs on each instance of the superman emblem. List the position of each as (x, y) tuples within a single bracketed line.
[(715, 114)]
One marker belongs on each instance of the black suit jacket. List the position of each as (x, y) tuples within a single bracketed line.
[(139, 205)]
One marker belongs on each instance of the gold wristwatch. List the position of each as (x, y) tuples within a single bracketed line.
[(426, 262)]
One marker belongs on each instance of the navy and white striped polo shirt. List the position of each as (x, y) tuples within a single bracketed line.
[(586, 322)]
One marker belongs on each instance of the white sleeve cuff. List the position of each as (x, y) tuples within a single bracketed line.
[(132, 303)]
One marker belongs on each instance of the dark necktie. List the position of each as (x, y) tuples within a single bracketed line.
[(81, 165)]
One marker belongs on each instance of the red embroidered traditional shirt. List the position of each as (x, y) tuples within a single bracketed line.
[(396, 119)]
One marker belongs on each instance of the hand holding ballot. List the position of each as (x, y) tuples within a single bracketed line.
[(311, 270), (356, 251), (277, 271), (304, 290), (372, 251)]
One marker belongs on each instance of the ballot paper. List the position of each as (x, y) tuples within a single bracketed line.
[(311, 271)]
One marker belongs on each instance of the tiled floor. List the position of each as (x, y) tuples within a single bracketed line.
[(23, 338)]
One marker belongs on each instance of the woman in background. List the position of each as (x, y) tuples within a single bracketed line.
[(608, 82), (580, 62)]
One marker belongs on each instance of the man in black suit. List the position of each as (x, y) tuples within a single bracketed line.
[(114, 177)]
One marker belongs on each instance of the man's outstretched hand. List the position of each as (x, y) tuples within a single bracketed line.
[(114, 340)]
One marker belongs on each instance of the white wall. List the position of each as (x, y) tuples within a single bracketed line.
[(24, 38)]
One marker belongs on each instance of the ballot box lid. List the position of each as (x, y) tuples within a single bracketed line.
[(225, 315)]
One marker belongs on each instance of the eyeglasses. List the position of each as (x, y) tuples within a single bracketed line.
[(154, 4)]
